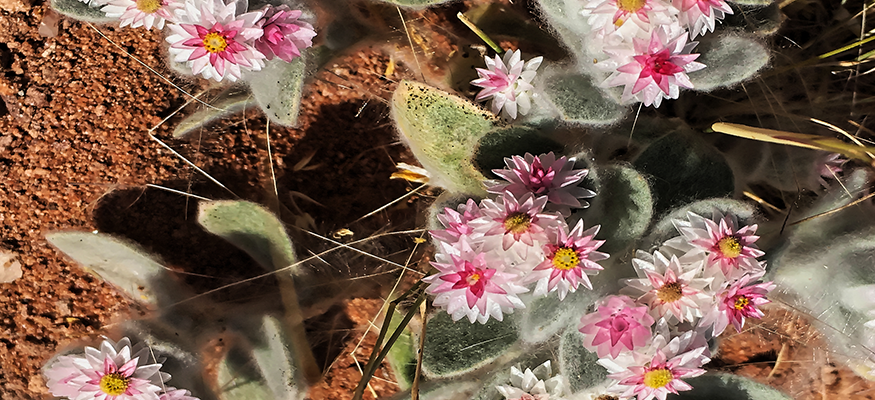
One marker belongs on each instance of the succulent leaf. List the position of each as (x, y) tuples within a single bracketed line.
[(442, 130), (78, 10), (684, 169), (277, 88), (721, 54), (508, 141), (228, 104), (455, 348), (402, 354), (580, 101), (729, 387), (577, 364), (123, 265)]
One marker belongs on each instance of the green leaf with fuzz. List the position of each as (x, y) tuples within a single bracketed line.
[(456, 348), (753, 2), (402, 354), (729, 387), (78, 10), (509, 141), (720, 53), (442, 131), (664, 229), (623, 208), (261, 367), (564, 17), (577, 364), (757, 19), (228, 104), (277, 88), (250, 227), (545, 316), (579, 101), (684, 168), (121, 264)]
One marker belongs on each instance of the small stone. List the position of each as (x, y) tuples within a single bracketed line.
[(48, 27), (10, 268)]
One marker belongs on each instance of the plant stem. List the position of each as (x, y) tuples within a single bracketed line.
[(479, 33)]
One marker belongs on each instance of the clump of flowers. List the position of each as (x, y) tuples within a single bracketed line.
[(507, 83), (538, 384), (115, 371), (693, 287), (489, 253), (215, 39)]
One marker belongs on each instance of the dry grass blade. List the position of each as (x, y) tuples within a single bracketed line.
[(814, 142)]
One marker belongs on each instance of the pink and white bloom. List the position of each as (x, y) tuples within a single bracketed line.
[(700, 16), (173, 393), (508, 83), (727, 247), (652, 374), (544, 175), (539, 384), (617, 325), (829, 165), (215, 42), (520, 224), (669, 288), (569, 258), (284, 34), (116, 371), (653, 69), (456, 223), (607, 16), (741, 301), (467, 285), (145, 13)]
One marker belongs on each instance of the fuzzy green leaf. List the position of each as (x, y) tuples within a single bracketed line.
[(544, 317), (126, 266), (753, 2), (577, 364), (442, 131), (402, 355), (580, 101), (277, 89), (78, 10), (685, 169), (729, 387), (251, 228), (721, 54), (227, 105), (455, 348), (509, 141), (623, 208)]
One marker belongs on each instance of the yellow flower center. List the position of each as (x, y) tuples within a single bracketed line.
[(114, 384), (657, 378), (670, 292), (473, 278), (631, 5), (741, 302), (148, 6), (729, 246), (517, 223), (214, 42), (565, 259)]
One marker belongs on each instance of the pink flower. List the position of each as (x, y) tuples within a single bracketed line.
[(570, 257), (284, 35), (456, 222), (659, 376), (700, 16), (637, 11), (111, 373), (655, 69), (146, 13), (511, 222), (829, 165), (616, 324), (669, 288), (741, 301), (173, 393), (544, 175), (733, 250), (508, 83), (215, 42), (467, 285)]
